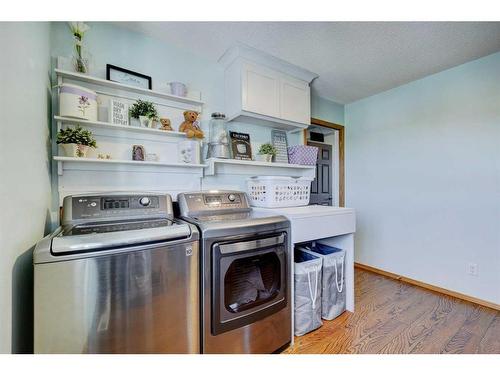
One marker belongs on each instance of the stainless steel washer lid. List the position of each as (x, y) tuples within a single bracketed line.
[(69, 243), (65, 244)]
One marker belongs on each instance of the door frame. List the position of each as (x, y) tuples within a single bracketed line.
[(340, 129)]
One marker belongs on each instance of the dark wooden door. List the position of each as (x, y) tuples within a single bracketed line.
[(321, 187)]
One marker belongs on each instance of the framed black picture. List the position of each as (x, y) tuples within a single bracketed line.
[(128, 77), (240, 145)]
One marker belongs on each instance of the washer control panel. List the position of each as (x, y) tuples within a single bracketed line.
[(119, 206)]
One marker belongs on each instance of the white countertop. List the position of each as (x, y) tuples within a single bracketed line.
[(309, 223), (307, 211)]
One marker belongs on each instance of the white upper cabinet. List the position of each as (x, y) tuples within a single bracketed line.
[(264, 90), (295, 100), (260, 90)]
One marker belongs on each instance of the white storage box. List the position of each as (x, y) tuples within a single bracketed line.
[(279, 191), (77, 101)]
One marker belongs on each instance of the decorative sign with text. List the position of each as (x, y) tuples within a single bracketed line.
[(118, 112), (280, 143)]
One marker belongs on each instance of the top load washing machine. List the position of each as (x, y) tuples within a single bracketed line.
[(245, 273), (120, 275)]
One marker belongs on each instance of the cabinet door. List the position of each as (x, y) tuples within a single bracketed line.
[(295, 102), (260, 90)]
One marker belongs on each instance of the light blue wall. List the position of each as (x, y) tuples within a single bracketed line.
[(24, 172), (327, 110), (423, 173)]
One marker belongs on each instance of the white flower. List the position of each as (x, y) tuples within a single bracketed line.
[(78, 28)]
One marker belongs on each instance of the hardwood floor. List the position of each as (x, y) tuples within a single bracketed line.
[(393, 317)]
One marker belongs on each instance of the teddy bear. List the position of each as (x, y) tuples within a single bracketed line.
[(191, 126), (165, 124)]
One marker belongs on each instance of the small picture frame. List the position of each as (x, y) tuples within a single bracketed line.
[(118, 112), (240, 145), (128, 77), (138, 153)]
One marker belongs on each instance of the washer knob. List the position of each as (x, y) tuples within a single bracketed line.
[(145, 201), (231, 197)]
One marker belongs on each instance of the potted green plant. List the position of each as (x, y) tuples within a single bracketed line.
[(76, 141), (266, 152), (145, 112)]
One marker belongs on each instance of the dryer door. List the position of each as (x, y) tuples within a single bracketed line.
[(249, 280)]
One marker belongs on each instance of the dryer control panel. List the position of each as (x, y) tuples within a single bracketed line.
[(212, 202)]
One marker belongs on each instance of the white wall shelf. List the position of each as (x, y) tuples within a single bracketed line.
[(256, 167), (63, 161), (119, 86), (128, 128)]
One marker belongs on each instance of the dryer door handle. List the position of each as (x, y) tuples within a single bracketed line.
[(237, 247)]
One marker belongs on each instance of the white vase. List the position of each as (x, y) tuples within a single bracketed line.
[(146, 122), (75, 151)]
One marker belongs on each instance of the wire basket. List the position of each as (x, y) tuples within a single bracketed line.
[(279, 191)]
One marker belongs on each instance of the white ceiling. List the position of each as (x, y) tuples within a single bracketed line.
[(353, 59)]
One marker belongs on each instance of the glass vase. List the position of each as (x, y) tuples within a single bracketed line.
[(81, 57)]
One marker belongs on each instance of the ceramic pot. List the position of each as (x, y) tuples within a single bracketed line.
[(265, 157), (75, 151), (135, 122), (146, 122)]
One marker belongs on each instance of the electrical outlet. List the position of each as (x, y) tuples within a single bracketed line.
[(472, 269)]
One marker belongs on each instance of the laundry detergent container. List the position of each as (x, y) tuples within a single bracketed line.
[(333, 297), (307, 279), (78, 102)]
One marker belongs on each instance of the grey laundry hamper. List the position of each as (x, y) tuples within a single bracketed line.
[(307, 279), (333, 298)]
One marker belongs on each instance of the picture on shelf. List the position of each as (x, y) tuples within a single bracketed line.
[(240, 145), (138, 153), (128, 77)]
